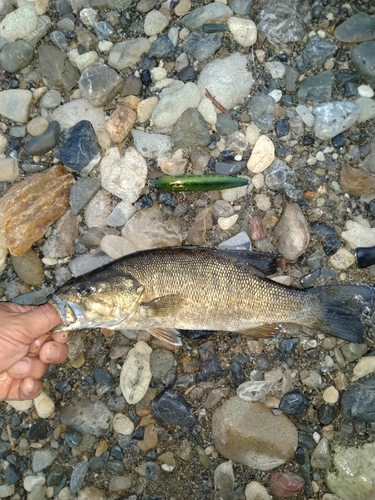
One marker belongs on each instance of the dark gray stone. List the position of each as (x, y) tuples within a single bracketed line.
[(169, 407), (87, 417), (363, 59), (202, 46), (225, 124), (103, 30), (99, 84), (241, 7), (162, 48), (315, 53), (358, 401), (16, 56), (58, 38), (79, 149), (356, 29), (82, 192), (317, 88), (229, 167), (78, 476), (132, 86), (190, 130), (56, 67), (44, 142)]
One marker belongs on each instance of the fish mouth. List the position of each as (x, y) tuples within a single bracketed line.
[(70, 313)]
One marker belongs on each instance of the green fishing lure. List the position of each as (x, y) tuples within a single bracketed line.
[(197, 183)]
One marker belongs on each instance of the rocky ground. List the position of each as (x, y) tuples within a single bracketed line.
[(96, 99)]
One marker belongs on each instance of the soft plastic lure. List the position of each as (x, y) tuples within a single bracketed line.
[(197, 183)]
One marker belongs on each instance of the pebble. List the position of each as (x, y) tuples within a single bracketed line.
[(224, 481), (169, 407), (342, 259), (244, 31), (365, 366), (99, 84), (286, 484), (151, 145), (262, 155), (43, 459), (292, 233), (293, 403), (20, 23), (87, 417), (256, 491), (122, 424), (333, 118), (254, 390), (78, 476), (331, 395), (44, 405), (321, 456), (15, 104), (217, 13), (135, 373)]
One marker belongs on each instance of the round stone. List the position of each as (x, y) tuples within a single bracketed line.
[(331, 395)]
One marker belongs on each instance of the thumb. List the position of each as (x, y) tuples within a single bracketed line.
[(41, 319)]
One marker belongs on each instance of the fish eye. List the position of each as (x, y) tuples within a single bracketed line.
[(85, 289)]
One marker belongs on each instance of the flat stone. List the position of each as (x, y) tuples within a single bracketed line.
[(317, 88), (363, 59), (128, 53), (61, 243), (365, 366), (23, 222), (87, 417), (358, 235), (316, 51), (202, 46), (283, 22), (9, 170), (15, 104), (155, 22), (20, 23), (120, 123), (292, 232), (56, 67), (145, 109), (16, 56), (248, 433), (358, 28), (366, 109), (358, 401), (262, 155), (135, 374), (172, 104), (244, 31), (342, 259), (44, 142), (214, 13), (99, 84), (98, 209), (83, 190), (332, 118), (226, 79), (29, 268), (122, 212), (190, 130), (151, 145), (356, 181)]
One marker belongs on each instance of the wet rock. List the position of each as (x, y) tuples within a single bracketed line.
[(202, 46), (292, 232), (354, 472), (79, 149), (122, 212), (120, 123), (237, 369), (29, 268), (209, 14), (358, 28), (22, 222), (190, 130), (283, 22), (16, 56), (87, 417), (43, 459), (321, 457), (317, 88), (356, 181), (254, 390), (124, 176), (224, 481), (248, 433), (83, 190), (332, 118), (170, 408), (61, 243), (15, 104), (147, 229), (227, 79), (210, 367), (38, 430), (56, 67), (9, 170), (44, 142), (163, 367), (293, 403), (122, 424), (317, 50), (358, 401), (262, 155), (99, 84), (135, 374), (327, 234), (78, 476), (151, 145), (286, 484)]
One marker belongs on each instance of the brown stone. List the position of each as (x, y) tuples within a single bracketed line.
[(61, 242), (120, 123), (31, 206), (256, 229), (356, 182), (131, 101), (29, 268), (286, 484)]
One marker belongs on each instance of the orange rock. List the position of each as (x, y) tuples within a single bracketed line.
[(120, 123), (31, 206), (355, 181)]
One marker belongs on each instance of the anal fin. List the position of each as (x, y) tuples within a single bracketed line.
[(169, 335), (264, 331)]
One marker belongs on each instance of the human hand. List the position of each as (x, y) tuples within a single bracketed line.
[(27, 348)]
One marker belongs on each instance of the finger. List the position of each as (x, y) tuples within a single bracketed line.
[(53, 352), (62, 337), (28, 367), (37, 344), (41, 320), (5, 383), (28, 388)]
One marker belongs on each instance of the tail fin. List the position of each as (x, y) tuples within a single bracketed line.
[(342, 306)]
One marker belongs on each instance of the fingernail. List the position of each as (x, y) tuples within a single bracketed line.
[(54, 352), (21, 367)]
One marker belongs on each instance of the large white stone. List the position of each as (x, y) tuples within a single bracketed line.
[(19, 24), (124, 176), (228, 80), (244, 31), (135, 373), (15, 104), (332, 118), (155, 22)]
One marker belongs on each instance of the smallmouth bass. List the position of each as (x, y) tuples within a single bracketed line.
[(164, 290)]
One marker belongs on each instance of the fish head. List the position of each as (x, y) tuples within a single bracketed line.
[(96, 300)]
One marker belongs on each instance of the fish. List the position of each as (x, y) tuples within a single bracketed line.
[(189, 288), (196, 183)]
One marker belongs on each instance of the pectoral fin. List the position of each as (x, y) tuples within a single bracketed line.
[(169, 335), (163, 306), (267, 330)]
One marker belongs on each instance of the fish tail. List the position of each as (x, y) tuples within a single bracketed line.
[(342, 306)]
